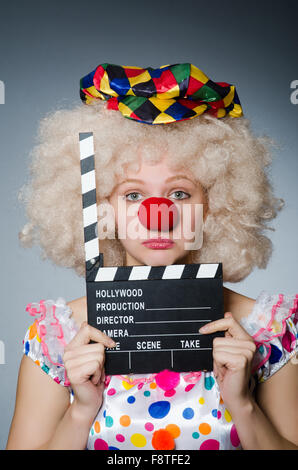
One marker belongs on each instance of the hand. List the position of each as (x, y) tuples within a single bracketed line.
[(84, 364), (232, 360)]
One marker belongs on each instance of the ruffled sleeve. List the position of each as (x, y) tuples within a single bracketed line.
[(48, 335), (273, 326)]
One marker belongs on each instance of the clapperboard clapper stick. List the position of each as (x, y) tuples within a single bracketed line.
[(153, 313)]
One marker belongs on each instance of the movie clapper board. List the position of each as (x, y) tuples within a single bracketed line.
[(153, 313)]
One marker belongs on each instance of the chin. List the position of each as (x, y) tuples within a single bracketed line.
[(162, 258)]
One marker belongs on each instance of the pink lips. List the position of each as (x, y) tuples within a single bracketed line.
[(158, 243)]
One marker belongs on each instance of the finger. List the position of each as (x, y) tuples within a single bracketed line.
[(83, 350), (80, 374), (88, 333), (217, 370), (247, 353), (100, 387), (227, 333), (79, 360), (100, 377), (96, 376), (230, 360), (103, 375), (228, 324), (234, 342)]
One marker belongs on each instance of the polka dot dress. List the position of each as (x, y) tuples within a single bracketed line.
[(153, 416), (167, 410)]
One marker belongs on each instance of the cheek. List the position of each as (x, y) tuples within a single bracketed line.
[(119, 209), (126, 214), (127, 222), (191, 219)]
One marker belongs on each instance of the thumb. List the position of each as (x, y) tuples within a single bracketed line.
[(228, 315)]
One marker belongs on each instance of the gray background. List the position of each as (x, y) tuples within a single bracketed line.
[(45, 47)]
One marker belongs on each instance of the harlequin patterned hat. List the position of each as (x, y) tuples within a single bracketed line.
[(160, 96)]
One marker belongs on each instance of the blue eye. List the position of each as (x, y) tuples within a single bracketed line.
[(133, 199), (181, 192)]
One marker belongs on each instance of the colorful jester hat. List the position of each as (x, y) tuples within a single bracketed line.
[(160, 96)]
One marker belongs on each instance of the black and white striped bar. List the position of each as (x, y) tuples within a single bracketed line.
[(175, 271), (88, 183)]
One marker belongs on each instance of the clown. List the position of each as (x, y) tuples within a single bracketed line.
[(159, 133)]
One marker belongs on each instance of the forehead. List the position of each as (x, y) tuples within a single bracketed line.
[(161, 170)]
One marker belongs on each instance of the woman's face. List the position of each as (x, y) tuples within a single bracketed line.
[(177, 186)]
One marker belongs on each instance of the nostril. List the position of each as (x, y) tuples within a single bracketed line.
[(158, 213)]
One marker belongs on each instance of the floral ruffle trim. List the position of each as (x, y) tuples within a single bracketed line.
[(166, 379), (53, 328), (47, 337), (273, 326)]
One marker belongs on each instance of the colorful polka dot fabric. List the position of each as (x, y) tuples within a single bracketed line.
[(166, 410), (273, 325)]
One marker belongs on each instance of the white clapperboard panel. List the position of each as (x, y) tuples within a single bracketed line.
[(153, 313)]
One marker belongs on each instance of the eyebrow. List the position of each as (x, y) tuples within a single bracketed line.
[(172, 178)]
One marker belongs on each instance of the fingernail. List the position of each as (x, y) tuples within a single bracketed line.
[(203, 329)]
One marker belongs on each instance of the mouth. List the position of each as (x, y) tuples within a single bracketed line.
[(158, 243)]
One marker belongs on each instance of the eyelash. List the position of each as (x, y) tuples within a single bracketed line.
[(178, 191)]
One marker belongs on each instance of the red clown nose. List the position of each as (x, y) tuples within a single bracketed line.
[(158, 213)]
